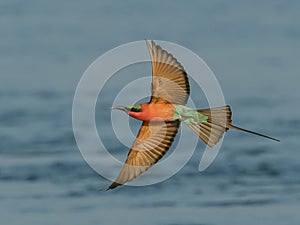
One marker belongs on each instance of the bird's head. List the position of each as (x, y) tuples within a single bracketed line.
[(128, 109)]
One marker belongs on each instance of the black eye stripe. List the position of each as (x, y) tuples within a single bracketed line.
[(135, 110)]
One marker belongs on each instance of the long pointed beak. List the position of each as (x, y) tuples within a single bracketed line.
[(123, 108)]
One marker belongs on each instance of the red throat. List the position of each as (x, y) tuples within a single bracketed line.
[(139, 115)]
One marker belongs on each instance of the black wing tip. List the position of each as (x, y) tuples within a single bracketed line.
[(106, 189), (112, 186), (103, 189)]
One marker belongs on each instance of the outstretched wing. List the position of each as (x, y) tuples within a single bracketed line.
[(170, 83), (153, 141)]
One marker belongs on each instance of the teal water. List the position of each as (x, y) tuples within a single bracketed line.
[(253, 49)]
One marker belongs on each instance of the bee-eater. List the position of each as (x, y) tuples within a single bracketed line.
[(163, 114)]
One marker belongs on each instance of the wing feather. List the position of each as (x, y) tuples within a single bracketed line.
[(152, 142), (169, 80), (169, 85)]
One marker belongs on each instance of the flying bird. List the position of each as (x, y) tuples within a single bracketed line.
[(163, 114)]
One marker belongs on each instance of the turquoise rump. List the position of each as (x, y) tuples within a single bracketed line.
[(188, 116)]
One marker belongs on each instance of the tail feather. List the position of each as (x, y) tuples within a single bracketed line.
[(218, 122), (251, 132)]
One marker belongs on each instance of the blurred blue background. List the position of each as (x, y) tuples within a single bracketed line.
[(252, 47)]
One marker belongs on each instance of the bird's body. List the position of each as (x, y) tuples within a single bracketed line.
[(167, 113), (154, 112), (163, 114)]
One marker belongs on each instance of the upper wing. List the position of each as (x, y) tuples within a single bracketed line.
[(153, 141), (169, 80)]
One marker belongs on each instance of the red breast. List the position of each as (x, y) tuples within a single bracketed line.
[(152, 112)]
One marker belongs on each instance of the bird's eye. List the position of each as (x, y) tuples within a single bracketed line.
[(136, 108)]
